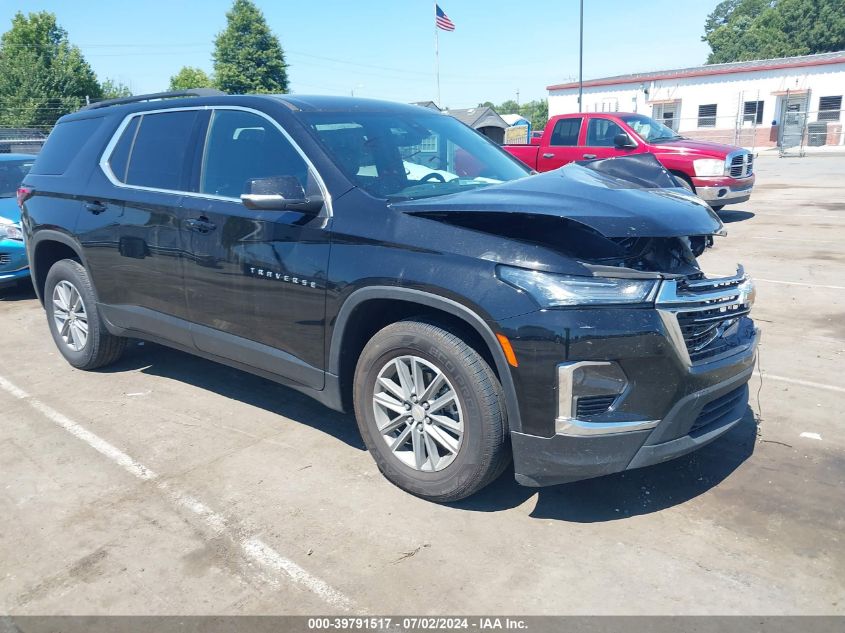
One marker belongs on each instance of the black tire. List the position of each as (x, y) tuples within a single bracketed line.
[(484, 451), (717, 207), (101, 347)]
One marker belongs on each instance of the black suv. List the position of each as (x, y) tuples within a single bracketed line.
[(387, 258)]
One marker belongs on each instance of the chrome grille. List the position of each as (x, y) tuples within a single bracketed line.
[(4, 259), (741, 165), (706, 316)]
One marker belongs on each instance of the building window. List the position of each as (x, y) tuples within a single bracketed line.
[(707, 115), (830, 108), (753, 112)]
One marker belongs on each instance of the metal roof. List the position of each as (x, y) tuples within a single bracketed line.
[(756, 65), (478, 117)]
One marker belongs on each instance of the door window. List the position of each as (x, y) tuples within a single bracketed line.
[(565, 133), (243, 146), (156, 152), (601, 132)]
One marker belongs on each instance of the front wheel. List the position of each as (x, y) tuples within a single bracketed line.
[(74, 318), (430, 411)]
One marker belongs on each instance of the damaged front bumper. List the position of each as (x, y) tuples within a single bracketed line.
[(636, 387)]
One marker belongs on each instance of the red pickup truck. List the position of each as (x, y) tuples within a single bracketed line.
[(719, 174)]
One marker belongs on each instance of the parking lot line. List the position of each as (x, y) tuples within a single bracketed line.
[(253, 547), (798, 381), (841, 216), (793, 239), (798, 283)]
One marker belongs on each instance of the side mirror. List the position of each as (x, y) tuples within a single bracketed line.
[(623, 140), (279, 193)]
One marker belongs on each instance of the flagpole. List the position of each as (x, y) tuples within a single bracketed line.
[(437, 55)]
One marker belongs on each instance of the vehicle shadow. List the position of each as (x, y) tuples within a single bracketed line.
[(627, 494), (21, 292), (156, 360), (609, 498), (730, 216)]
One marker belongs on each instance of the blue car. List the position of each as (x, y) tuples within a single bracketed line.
[(13, 263)]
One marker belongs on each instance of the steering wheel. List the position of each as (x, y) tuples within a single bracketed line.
[(433, 176)]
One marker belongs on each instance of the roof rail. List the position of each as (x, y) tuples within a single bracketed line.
[(193, 92)]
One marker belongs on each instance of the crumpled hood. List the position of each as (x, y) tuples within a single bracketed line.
[(611, 206)]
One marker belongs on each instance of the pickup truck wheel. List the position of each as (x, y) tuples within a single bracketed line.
[(430, 411), (685, 183), (74, 319)]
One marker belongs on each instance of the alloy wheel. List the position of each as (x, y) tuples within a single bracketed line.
[(70, 316), (418, 413)]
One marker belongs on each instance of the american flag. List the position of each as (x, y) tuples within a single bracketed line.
[(442, 20)]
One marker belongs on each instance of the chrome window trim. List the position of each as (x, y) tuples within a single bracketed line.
[(109, 174)]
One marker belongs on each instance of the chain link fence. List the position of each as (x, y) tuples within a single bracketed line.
[(25, 122), (794, 130)]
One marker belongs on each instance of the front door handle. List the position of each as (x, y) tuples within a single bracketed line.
[(95, 207), (200, 225), (589, 156), (548, 155)]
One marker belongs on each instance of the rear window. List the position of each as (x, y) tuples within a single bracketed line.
[(63, 145), (566, 131), (119, 159), (160, 153)]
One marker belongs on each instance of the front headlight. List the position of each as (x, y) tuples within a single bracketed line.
[(550, 290), (708, 167), (11, 232)]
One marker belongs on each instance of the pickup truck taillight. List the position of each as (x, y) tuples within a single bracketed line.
[(24, 194)]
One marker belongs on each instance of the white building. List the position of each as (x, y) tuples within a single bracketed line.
[(787, 101)]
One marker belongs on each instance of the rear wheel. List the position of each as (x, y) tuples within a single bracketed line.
[(430, 411), (74, 318)]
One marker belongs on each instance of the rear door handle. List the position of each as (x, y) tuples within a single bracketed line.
[(200, 225), (548, 155), (589, 156), (95, 207)]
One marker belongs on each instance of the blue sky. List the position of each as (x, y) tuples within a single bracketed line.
[(385, 49)]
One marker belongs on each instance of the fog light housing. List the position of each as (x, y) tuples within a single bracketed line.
[(588, 387)]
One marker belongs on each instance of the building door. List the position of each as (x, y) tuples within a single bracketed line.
[(793, 120)]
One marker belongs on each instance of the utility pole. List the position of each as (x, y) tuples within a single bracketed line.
[(517, 97), (581, 60), (437, 55)]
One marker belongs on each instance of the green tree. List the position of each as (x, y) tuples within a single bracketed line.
[(247, 55), (42, 75), (508, 107), (112, 89), (189, 77), (537, 112), (740, 30)]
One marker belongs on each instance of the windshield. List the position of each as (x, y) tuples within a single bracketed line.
[(407, 156), (649, 129), (12, 173)]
